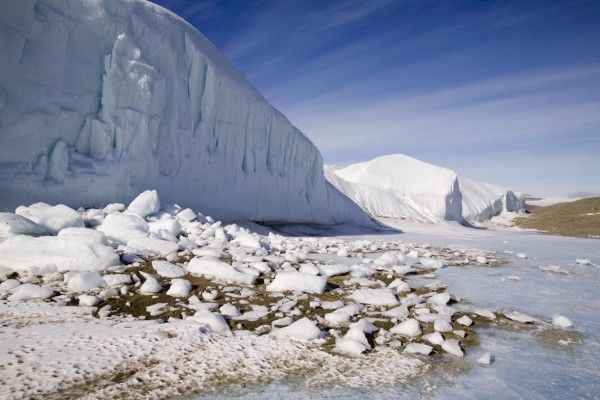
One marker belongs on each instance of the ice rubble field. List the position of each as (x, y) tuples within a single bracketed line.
[(399, 186), (118, 96), (151, 300)]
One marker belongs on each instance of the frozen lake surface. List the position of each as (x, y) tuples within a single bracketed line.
[(529, 364)]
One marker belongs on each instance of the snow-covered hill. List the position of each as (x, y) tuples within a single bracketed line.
[(399, 186), (102, 99)]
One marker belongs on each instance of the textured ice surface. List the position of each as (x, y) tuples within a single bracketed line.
[(65, 252), (122, 96)]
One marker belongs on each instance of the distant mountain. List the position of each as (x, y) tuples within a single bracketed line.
[(399, 186)]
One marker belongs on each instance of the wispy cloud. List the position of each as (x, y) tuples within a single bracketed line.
[(493, 89)]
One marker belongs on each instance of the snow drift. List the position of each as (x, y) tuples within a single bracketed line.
[(399, 186), (120, 96)]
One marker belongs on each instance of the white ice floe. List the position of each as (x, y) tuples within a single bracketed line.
[(216, 269), (519, 317), (333, 269), (229, 310), (167, 269), (214, 321), (440, 299), (121, 228), (418, 348), (303, 329), (29, 291), (85, 281), (117, 279), (179, 288), (439, 325), (399, 312), (432, 263), (150, 286), (84, 235), (146, 203), (399, 285), (146, 245), (485, 313), (13, 224), (51, 218), (465, 320), (561, 321), (297, 281), (485, 359), (452, 346), (522, 256), (66, 253), (381, 296), (409, 327), (9, 285), (349, 346), (583, 261), (88, 300), (434, 338), (343, 315)]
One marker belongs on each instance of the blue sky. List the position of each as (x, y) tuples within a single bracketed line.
[(506, 92)]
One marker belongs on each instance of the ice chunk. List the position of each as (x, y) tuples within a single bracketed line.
[(519, 317), (293, 280), (146, 203), (465, 320), (29, 291), (51, 218), (349, 346), (332, 270), (442, 326), (382, 296), (303, 329), (432, 263), (418, 348), (440, 299), (117, 279), (583, 261), (167, 269), (452, 346), (229, 310), (561, 321), (215, 322), (179, 288), (434, 338), (121, 228), (485, 359), (88, 300), (216, 269), (13, 224), (150, 286), (146, 245), (399, 285), (84, 281), (9, 285), (409, 327), (65, 252), (343, 315), (84, 235)]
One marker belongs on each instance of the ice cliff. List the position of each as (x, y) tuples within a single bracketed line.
[(101, 99), (399, 186)]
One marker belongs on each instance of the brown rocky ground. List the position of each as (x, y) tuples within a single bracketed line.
[(579, 218)]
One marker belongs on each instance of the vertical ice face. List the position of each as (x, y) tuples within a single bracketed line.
[(102, 99)]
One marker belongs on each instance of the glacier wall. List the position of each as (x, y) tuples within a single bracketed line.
[(102, 99)]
